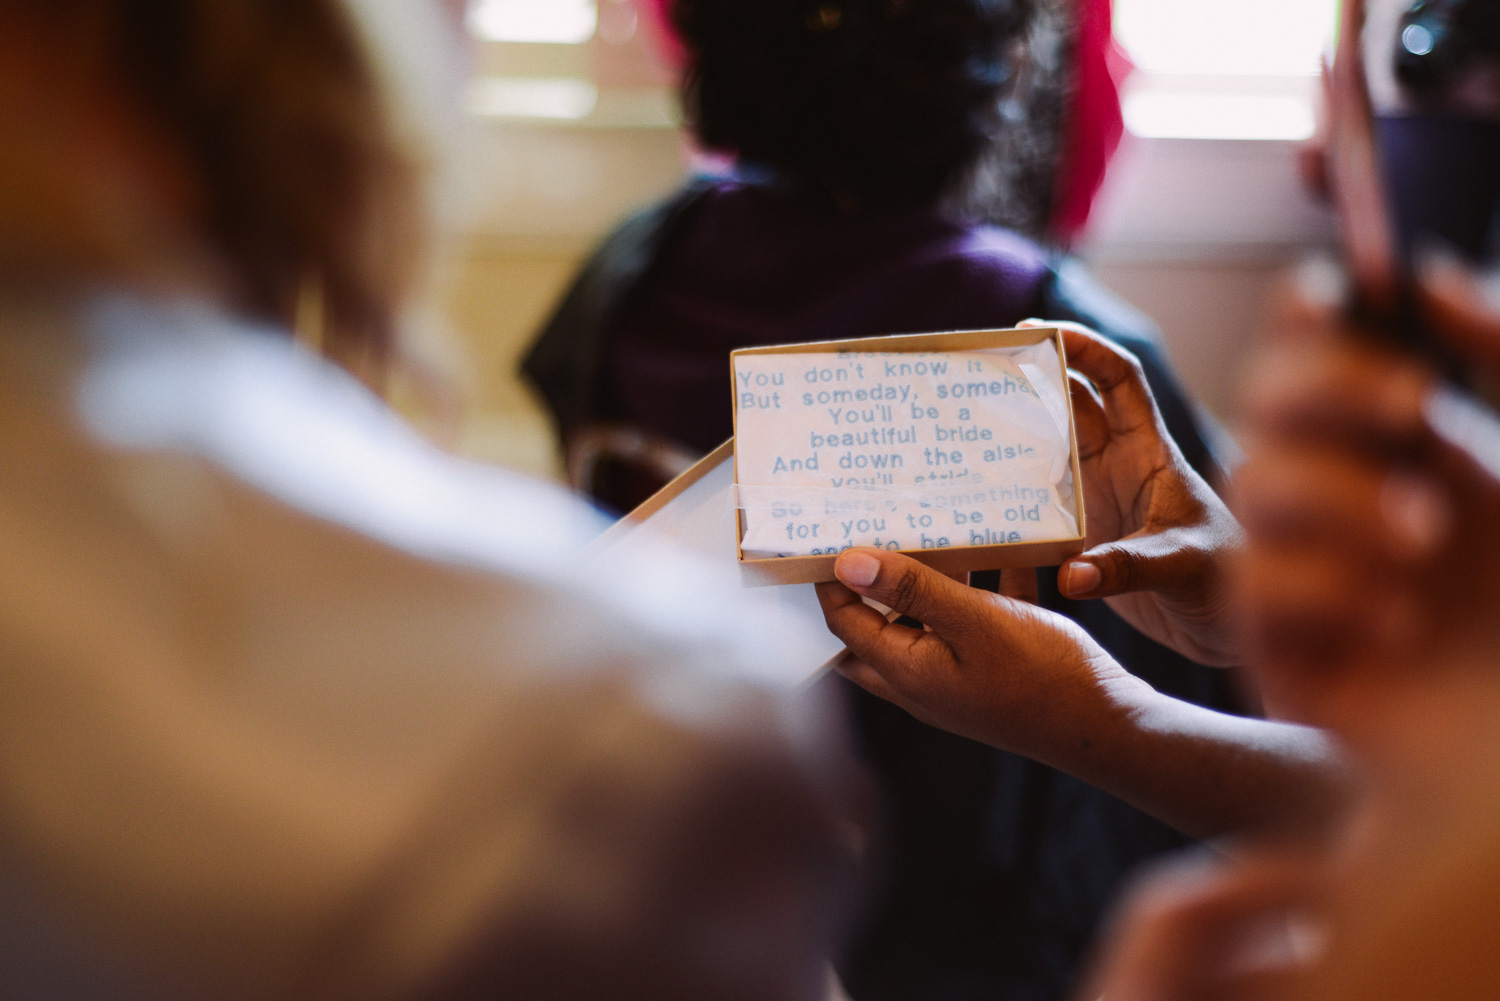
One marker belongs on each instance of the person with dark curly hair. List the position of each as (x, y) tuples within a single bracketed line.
[(856, 128), (865, 105)]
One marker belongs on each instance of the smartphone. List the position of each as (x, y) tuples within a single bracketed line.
[(1383, 300)]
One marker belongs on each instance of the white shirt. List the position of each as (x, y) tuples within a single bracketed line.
[(294, 705)]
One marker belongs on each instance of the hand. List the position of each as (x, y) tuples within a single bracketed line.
[(988, 667), (1027, 680), (1158, 536), (1369, 500), (1206, 930)]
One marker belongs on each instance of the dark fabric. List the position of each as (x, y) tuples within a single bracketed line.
[(1444, 176), (752, 266), (995, 871), (566, 360)]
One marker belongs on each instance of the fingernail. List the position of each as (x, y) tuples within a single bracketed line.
[(1322, 282), (857, 570), (1081, 578), (1416, 512)]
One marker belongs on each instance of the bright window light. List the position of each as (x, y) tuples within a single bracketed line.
[(1158, 115), (562, 98), (565, 22), (1225, 37), (1223, 69)]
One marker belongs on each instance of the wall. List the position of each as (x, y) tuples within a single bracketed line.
[(1196, 233), (540, 196)]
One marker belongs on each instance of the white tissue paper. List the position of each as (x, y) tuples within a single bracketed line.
[(902, 450)]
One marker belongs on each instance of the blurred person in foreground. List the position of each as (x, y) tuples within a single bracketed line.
[(857, 129), (1369, 596), (291, 704)]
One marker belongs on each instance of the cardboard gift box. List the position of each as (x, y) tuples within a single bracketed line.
[(922, 451)]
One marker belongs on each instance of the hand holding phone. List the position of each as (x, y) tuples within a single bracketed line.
[(1383, 300)]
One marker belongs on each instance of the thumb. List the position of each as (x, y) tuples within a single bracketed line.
[(1145, 562), (909, 587)]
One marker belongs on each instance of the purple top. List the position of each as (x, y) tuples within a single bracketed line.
[(750, 266)]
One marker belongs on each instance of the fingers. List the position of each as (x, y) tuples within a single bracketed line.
[(1105, 571), (1318, 630), (1349, 391), (1080, 579), (1194, 932), (1308, 304), (850, 619), (1298, 495), (876, 644), (1121, 382), (1116, 372), (1367, 504), (1309, 307), (1089, 419), (865, 676), (901, 583), (1462, 311), (1019, 584), (1369, 498), (1341, 544), (1153, 561)]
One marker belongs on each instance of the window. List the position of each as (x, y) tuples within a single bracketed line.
[(562, 22), (1223, 69), (568, 62)]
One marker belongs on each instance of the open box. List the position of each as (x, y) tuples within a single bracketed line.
[(949, 553)]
